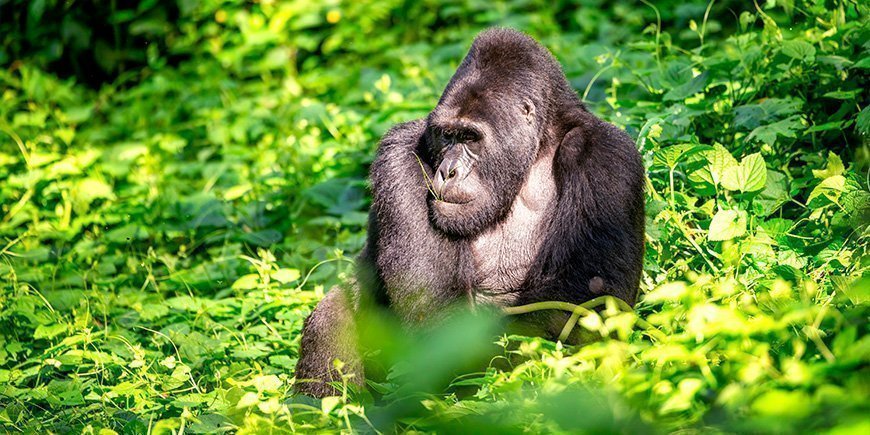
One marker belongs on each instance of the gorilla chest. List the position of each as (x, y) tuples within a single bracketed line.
[(502, 255)]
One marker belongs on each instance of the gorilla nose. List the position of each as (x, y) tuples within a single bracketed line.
[(447, 170)]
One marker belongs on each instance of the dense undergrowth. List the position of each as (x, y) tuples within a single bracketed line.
[(164, 234)]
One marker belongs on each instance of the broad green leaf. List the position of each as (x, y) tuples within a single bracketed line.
[(88, 190), (832, 168), (856, 202), (833, 125), (774, 195), (249, 399), (327, 404), (128, 233), (670, 156), (768, 133), (285, 276), (831, 187), (783, 404), (151, 312), (267, 383), (686, 90), (799, 49), (668, 292), (750, 116), (726, 225), (750, 175), (719, 161), (247, 282), (237, 192), (859, 291), (49, 331)]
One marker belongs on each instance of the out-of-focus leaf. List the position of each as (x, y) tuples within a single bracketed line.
[(799, 49), (695, 85)]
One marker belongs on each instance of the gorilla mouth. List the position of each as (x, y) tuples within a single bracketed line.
[(454, 195), (455, 201)]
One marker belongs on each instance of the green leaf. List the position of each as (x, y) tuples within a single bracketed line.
[(151, 312), (686, 90), (833, 167), (726, 225), (237, 192), (833, 125), (285, 276), (88, 190), (49, 331), (783, 404), (329, 403), (774, 195), (249, 399), (831, 188), (247, 282), (859, 291), (750, 175), (843, 95), (768, 133), (668, 292), (720, 160), (670, 156), (863, 121), (128, 233), (267, 383), (799, 49)]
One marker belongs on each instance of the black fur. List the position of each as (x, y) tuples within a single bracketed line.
[(510, 105)]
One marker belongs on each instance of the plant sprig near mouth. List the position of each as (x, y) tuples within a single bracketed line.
[(430, 186)]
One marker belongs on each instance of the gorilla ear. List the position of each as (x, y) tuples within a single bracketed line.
[(529, 111)]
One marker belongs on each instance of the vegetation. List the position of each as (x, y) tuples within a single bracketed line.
[(180, 183)]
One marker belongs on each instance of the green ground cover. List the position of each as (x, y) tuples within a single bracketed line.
[(180, 183)]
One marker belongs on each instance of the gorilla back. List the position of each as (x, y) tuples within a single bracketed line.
[(509, 192)]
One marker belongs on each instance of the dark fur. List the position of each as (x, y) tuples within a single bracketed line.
[(417, 262)]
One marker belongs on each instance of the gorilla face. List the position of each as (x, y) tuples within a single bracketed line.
[(480, 146)]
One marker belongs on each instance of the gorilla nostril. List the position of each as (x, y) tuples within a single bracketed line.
[(440, 181)]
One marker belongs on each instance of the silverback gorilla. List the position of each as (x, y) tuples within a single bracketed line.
[(509, 192)]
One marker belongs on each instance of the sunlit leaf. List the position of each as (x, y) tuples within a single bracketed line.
[(833, 167), (720, 160), (750, 175), (830, 187), (726, 225)]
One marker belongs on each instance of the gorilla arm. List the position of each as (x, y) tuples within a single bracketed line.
[(416, 285), (597, 247)]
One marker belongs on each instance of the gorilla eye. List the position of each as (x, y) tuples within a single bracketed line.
[(461, 135)]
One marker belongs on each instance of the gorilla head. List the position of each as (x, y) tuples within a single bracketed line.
[(487, 130)]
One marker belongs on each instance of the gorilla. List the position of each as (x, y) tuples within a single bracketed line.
[(509, 192)]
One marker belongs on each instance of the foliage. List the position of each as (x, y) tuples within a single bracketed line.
[(164, 236)]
